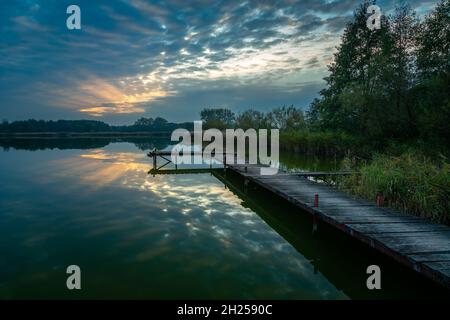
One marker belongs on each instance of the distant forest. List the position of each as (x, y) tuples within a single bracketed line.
[(90, 126)]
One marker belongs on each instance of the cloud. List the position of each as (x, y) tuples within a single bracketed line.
[(112, 108), (28, 24), (97, 97), (165, 57)]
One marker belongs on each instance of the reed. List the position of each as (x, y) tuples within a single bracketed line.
[(317, 143), (409, 182)]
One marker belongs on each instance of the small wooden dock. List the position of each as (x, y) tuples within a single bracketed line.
[(412, 241)]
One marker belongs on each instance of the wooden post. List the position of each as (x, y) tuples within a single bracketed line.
[(176, 161), (154, 159), (316, 200), (380, 200)]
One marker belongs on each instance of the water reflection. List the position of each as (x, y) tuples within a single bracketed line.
[(61, 143), (135, 235), (186, 236)]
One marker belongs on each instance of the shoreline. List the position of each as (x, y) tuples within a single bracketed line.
[(22, 135)]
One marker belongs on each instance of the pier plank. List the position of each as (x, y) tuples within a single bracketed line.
[(417, 243), (386, 228), (431, 257)]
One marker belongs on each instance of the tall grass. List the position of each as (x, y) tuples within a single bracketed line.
[(317, 143), (408, 182)]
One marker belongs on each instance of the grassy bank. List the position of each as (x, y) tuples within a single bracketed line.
[(325, 143), (409, 182), (329, 143)]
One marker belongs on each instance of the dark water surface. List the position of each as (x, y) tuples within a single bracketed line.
[(91, 203)]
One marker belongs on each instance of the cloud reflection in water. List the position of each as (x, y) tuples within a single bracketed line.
[(112, 216)]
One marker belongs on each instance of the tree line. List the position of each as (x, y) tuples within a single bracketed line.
[(285, 118), (85, 126)]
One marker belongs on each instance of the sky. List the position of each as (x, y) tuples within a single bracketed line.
[(145, 58)]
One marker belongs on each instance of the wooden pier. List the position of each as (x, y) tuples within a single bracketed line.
[(412, 241)]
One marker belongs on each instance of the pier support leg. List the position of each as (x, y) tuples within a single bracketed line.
[(316, 267), (314, 226), (154, 159), (316, 205), (225, 166), (246, 181)]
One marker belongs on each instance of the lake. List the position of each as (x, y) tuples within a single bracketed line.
[(92, 203)]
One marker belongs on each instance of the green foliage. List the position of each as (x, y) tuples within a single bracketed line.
[(283, 118), (390, 84), (150, 124), (251, 119), (219, 118), (317, 143), (409, 182), (432, 104), (433, 57), (286, 118)]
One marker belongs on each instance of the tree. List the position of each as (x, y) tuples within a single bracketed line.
[(404, 28), (356, 98), (433, 56), (144, 122), (432, 94), (286, 118), (159, 122), (251, 119), (219, 118)]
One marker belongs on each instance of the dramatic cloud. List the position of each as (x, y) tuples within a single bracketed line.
[(169, 58)]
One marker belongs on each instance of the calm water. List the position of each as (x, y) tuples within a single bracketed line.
[(91, 203)]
